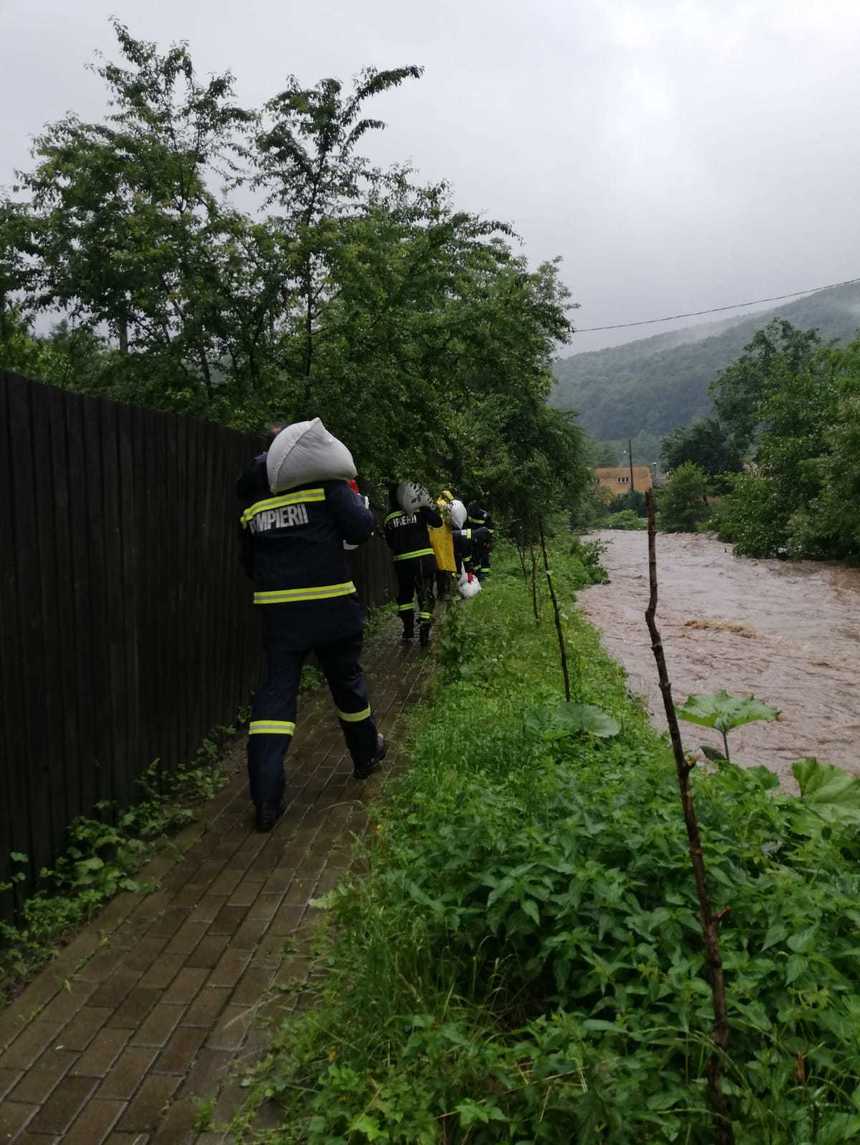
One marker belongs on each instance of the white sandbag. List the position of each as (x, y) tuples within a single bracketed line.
[(305, 452), (469, 588), (457, 514), (411, 497)]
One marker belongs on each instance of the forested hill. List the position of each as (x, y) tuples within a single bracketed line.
[(655, 384)]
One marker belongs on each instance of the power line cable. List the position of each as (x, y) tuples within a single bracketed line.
[(714, 309)]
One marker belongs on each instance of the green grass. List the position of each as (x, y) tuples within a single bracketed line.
[(522, 960)]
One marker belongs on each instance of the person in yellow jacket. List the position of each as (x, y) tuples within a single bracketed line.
[(442, 542)]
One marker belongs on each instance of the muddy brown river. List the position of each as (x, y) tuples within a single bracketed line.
[(787, 632)]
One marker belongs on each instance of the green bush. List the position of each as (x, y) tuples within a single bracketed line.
[(523, 960), (684, 500), (750, 516), (626, 519)]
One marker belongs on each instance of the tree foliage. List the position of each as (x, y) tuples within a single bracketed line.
[(804, 416), (352, 292), (683, 500), (705, 443)]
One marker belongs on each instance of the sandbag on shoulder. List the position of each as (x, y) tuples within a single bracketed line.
[(411, 497), (305, 452)]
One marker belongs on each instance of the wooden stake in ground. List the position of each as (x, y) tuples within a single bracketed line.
[(558, 628), (723, 1133), (535, 607)]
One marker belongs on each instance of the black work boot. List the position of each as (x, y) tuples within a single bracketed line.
[(268, 814), (424, 634), (408, 633), (362, 772)]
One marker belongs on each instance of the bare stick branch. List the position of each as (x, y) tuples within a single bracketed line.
[(723, 1133), (558, 628)]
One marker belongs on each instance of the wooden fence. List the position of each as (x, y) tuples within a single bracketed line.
[(126, 628)]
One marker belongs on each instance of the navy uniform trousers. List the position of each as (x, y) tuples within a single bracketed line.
[(273, 713), (416, 577)]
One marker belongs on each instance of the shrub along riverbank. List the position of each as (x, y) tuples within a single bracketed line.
[(522, 962)]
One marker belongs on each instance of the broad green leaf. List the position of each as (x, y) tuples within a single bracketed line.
[(828, 789), (724, 711), (567, 719), (794, 968)]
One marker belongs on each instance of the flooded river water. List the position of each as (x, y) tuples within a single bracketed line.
[(787, 632)]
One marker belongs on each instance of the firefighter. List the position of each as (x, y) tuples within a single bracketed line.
[(479, 518), (443, 546), (406, 531), (468, 542), (293, 548)]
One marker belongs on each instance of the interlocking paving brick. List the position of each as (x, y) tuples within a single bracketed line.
[(78, 1034), (135, 1008), (13, 1117), (158, 1027), (230, 967), (206, 1007), (208, 951), (37, 1083), (164, 971), (94, 1123), (30, 1044), (63, 1106), (180, 1051), (127, 1072), (149, 1103), (101, 1053), (9, 1078), (186, 985), (228, 920), (117, 988)]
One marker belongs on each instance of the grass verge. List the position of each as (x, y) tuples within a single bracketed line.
[(522, 960)]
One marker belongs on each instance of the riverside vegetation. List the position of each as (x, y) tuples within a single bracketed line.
[(522, 961)]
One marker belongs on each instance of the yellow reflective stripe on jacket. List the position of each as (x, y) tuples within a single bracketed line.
[(406, 607), (391, 516), (271, 728), (354, 717), (302, 497), (417, 553), (296, 595)]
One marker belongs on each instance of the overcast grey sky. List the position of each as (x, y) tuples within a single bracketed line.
[(678, 154)]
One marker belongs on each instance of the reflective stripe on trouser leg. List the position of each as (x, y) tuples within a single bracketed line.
[(342, 669), (273, 721), (405, 572), (424, 583)]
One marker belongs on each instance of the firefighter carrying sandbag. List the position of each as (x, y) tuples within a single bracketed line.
[(479, 519), (406, 531), (298, 512)]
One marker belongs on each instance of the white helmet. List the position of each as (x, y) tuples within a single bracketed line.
[(457, 514), (305, 451)]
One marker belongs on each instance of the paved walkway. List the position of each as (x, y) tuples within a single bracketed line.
[(159, 1002)]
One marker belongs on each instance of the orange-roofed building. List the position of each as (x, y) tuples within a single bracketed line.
[(615, 479)]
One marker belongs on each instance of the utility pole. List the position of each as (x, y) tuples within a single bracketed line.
[(630, 459)]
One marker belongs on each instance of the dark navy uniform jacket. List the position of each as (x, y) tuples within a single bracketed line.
[(292, 547), (407, 534)]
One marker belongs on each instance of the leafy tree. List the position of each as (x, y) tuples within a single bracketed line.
[(742, 388), (705, 443), (683, 500), (122, 221), (308, 164)]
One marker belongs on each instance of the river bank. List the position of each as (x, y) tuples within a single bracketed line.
[(787, 631)]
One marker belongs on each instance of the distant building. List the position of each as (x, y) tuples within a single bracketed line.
[(616, 480)]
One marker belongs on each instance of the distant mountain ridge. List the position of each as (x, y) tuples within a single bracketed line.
[(657, 383)]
